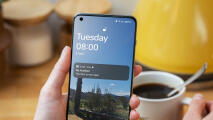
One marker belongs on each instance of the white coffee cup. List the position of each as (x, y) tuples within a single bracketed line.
[(161, 109)]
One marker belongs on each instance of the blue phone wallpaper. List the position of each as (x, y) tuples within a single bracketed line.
[(101, 68)]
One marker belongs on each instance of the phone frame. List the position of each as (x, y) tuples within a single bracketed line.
[(133, 59)]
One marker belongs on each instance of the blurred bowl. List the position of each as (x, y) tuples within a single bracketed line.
[(123, 7), (26, 12)]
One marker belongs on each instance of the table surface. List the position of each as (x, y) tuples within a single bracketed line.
[(20, 90)]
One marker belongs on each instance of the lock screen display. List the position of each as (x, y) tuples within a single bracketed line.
[(101, 68)]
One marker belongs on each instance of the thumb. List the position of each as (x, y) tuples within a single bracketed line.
[(196, 108), (58, 74)]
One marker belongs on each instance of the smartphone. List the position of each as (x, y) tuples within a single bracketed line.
[(101, 71)]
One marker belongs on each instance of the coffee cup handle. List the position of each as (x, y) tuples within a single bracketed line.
[(186, 101)]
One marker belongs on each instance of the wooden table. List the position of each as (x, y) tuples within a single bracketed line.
[(20, 91)]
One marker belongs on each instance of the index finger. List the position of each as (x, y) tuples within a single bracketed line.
[(134, 102), (137, 70)]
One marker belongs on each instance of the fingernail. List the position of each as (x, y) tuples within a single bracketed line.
[(134, 95), (137, 67), (198, 97), (64, 51)]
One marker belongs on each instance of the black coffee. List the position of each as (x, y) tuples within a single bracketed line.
[(153, 91)]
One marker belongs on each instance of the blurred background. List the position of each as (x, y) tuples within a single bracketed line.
[(172, 35)]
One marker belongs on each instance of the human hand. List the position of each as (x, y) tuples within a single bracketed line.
[(52, 103), (199, 109), (134, 101)]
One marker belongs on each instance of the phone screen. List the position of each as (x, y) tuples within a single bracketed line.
[(102, 67)]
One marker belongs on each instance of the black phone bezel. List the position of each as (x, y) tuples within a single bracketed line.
[(133, 59)]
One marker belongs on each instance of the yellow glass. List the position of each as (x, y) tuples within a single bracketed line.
[(175, 35)]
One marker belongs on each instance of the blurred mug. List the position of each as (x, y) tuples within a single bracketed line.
[(123, 7), (170, 108)]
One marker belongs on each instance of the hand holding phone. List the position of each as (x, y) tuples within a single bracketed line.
[(52, 102)]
